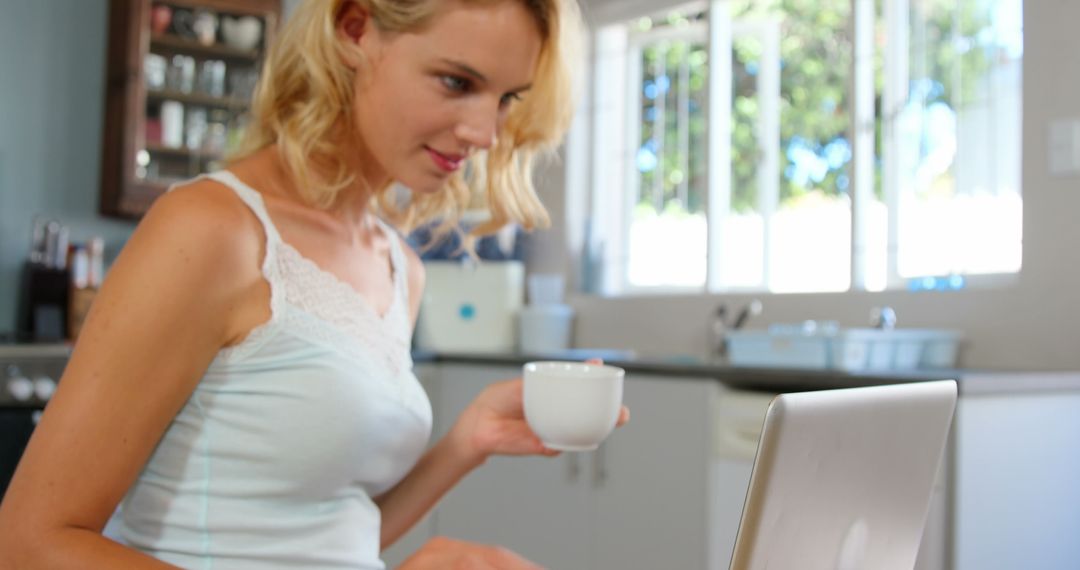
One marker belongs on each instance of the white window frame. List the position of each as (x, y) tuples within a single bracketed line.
[(636, 42), (615, 112), (894, 97), (722, 33), (719, 180)]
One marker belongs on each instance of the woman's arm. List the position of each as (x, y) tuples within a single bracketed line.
[(493, 423), (440, 468), (172, 299)]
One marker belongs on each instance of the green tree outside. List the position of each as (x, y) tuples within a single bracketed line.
[(950, 52)]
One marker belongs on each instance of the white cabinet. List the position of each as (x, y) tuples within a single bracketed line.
[(934, 548), (651, 480), (1017, 494), (640, 501)]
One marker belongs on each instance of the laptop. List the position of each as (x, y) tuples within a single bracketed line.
[(843, 478)]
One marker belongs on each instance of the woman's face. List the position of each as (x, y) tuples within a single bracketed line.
[(432, 96)]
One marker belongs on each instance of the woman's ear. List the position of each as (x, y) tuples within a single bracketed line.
[(352, 24)]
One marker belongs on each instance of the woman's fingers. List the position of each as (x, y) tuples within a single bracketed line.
[(504, 398), (519, 439), (441, 553), (624, 413)]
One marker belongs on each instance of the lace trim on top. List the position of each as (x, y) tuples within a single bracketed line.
[(354, 325), (321, 294)]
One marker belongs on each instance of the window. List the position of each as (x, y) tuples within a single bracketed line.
[(743, 146)]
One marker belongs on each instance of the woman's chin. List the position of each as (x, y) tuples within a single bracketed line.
[(426, 185)]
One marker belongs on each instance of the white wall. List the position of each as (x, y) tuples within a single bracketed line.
[(1034, 324)]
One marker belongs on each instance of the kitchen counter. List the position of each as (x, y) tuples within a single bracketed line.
[(970, 381)]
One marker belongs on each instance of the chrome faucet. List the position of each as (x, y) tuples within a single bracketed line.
[(883, 318), (719, 326), (751, 309), (718, 332)]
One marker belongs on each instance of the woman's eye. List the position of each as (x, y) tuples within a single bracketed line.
[(508, 99), (455, 83)]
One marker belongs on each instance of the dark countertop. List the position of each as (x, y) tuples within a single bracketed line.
[(40, 350), (970, 381)]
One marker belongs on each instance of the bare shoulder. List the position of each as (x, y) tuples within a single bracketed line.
[(204, 209), (201, 243)]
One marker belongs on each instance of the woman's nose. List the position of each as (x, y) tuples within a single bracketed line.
[(479, 127)]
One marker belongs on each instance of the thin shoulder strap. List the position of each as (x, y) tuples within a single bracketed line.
[(253, 199), (397, 258)]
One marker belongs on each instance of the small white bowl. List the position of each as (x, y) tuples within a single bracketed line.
[(244, 32)]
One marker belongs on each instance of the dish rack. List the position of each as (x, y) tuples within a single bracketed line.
[(851, 349)]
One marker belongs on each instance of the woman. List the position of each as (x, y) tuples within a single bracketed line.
[(243, 382)]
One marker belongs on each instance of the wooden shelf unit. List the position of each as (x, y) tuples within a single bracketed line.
[(126, 191), (169, 43)]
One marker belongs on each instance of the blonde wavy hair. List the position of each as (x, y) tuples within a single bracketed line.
[(304, 101)]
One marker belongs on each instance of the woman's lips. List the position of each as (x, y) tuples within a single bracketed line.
[(446, 162)]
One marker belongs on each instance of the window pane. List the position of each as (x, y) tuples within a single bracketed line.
[(667, 229), (945, 196), (743, 227), (790, 146), (959, 133)]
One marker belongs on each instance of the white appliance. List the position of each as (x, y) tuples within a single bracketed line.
[(471, 307)]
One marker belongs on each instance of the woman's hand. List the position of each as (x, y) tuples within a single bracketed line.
[(442, 553), (494, 424)]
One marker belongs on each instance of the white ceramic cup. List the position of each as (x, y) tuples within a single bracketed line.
[(572, 406)]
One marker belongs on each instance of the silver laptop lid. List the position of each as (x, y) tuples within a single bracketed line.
[(843, 478)]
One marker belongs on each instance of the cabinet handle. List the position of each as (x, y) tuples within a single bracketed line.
[(600, 473), (573, 466)]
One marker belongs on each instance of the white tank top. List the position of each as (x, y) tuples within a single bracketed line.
[(274, 460)]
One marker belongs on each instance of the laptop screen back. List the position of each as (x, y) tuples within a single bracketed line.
[(842, 479)]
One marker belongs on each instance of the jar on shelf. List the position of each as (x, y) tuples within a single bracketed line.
[(212, 78), (195, 128), (216, 132), (181, 74)]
